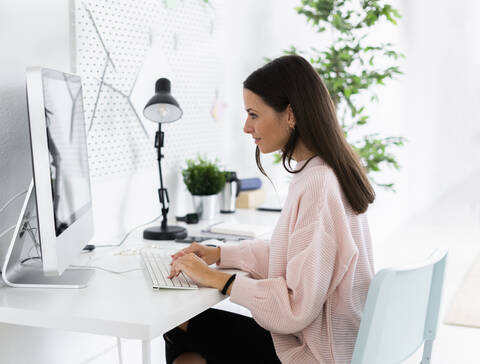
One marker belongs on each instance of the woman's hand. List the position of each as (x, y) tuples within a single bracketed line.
[(197, 269), (209, 254)]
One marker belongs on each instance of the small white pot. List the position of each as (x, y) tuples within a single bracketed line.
[(205, 206)]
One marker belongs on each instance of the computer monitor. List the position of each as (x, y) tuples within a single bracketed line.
[(56, 220)]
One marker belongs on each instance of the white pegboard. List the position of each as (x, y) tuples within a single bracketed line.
[(129, 44)]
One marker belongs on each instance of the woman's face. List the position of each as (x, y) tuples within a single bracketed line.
[(269, 129)]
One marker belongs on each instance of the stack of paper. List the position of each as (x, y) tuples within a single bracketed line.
[(239, 229)]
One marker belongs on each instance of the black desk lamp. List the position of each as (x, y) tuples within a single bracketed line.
[(163, 108)]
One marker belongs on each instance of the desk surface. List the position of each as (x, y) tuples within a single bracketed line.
[(123, 305)]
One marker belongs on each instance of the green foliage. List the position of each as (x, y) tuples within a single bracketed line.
[(203, 177), (375, 151), (349, 68)]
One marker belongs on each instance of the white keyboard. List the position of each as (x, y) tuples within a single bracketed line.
[(158, 268)]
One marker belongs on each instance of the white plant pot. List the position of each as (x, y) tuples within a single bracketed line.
[(205, 206)]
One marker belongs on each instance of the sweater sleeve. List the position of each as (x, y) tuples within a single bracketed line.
[(251, 256), (288, 305)]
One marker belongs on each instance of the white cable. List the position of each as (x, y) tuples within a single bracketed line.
[(105, 269), (127, 234), (119, 350), (7, 230), (11, 200)]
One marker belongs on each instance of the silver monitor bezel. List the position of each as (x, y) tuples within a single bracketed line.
[(58, 252)]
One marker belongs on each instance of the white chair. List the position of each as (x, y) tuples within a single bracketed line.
[(401, 313)]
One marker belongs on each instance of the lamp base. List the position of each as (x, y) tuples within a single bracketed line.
[(170, 233)]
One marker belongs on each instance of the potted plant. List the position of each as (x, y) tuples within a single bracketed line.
[(351, 65), (204, 180)]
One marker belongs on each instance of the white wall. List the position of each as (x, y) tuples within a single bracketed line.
[(28, 36), (257, 30), (174, 40), (433, 104), (31, 33)]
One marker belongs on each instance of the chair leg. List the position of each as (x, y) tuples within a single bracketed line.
[(427, 352)]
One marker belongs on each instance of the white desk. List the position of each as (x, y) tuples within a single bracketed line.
[(122, 305)]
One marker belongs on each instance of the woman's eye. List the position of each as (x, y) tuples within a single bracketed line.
[(253, 116)]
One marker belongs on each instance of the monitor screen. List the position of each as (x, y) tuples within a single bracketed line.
[(67, 148)]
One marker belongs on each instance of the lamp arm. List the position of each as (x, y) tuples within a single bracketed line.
[(162, 192)]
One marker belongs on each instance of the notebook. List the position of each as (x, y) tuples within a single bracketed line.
[(232, 228)]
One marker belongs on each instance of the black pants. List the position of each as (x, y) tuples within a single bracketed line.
[(222, 337)]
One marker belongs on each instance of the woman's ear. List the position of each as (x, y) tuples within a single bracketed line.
[(291, 117)]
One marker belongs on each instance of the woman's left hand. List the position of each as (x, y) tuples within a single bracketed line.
[(198, 270)]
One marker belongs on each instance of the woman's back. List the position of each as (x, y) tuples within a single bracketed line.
[(319, 270)]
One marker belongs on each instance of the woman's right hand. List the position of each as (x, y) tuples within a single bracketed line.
[(208, 253)]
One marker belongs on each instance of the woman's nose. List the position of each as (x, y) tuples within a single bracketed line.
[(247, 128)]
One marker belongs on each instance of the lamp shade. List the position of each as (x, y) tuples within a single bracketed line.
[(162, 107)]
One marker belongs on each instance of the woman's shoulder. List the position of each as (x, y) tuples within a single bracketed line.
[(316, 174), (316, 187), (311, 187)]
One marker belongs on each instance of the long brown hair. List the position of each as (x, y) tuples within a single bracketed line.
[(291, 80)]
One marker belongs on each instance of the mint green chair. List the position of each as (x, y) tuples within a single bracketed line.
[(401, 313)]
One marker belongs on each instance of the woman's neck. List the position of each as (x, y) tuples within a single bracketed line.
[(301, 152)]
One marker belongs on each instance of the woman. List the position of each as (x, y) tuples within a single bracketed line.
[(308, 284)]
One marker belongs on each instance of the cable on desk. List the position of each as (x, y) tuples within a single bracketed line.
[(29, 258), (11, 200), (127, 234), (105, 269)]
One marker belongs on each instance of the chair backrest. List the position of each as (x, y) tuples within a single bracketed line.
[(401, 312)]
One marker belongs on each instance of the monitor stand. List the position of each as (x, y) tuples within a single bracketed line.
[(23, 264)]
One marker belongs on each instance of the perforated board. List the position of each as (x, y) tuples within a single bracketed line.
[(121, 48)]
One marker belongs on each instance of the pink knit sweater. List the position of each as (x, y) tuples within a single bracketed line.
[(310, 283)]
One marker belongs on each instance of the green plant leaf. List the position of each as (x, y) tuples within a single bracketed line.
[(349, 67), (203, 177)]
